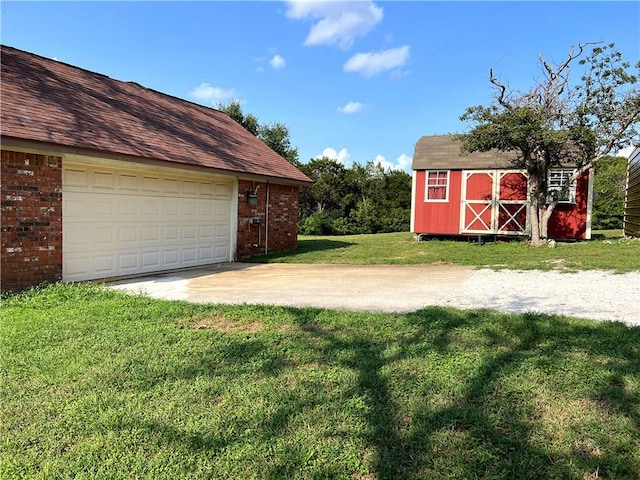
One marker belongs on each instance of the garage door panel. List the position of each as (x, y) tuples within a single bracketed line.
[(75, 207), (206, 189), (222, 232), (150, 234), (150, 184), (151, 209), (188, 255), (151, 259), (189, 209), (105, 265), (170, 185), (189, 188), (171, 258), (220, 252), (75, 237), (73, 177), (121, 223), (104, 235), (206, 209), (170, 208), (127, 234), (128, 182), (205, 254), (222, 190), (170, 233), (76, 267), (129, 207), (128, 262), (189, 232), (205, 232), (104, 180)]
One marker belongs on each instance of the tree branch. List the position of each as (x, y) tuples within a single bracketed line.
[(614, 137), (501, 98)]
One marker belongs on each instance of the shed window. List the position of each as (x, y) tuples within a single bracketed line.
[(437, 186), (558, 179)]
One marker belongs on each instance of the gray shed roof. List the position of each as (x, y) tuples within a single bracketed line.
[(443, 152)]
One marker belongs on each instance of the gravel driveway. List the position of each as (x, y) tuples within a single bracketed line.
[(590, 294)]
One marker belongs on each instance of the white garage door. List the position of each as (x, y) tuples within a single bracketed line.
[(118, 221)]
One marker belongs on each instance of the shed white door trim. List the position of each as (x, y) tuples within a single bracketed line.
[(118, 220)]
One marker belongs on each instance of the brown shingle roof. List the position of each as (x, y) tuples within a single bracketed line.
[(48, 101), (443, 152)]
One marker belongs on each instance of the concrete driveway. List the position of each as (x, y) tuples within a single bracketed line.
[(402, 288), (384, 288)]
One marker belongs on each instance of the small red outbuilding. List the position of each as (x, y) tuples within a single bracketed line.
[(484, 194)]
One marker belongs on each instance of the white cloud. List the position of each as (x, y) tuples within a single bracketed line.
[(404, 161), (373, 63), (208, 93), (351, 108), (383, 162), (277, 62), (339, 22), (342, 156)]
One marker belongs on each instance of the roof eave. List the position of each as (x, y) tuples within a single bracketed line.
[(46, 148)]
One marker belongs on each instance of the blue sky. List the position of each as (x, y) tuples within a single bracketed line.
[(358, 81)]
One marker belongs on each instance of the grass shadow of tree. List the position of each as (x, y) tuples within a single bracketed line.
[(446, 393), (493, 423)]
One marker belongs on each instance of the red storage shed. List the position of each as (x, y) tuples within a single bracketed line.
[(483, 193)]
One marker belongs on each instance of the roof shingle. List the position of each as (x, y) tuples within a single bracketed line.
[(443, 152), (48, 101)]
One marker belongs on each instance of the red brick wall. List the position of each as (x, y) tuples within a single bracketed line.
[(31, 231), (283, 219)]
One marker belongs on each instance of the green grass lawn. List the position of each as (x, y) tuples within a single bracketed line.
[(608, 251), (97, 384)]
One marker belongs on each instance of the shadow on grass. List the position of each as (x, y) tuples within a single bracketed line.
[(444, 393), (502, 411), (492, 426), (304, 246)]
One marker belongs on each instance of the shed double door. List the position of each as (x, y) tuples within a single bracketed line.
[(494, 202)]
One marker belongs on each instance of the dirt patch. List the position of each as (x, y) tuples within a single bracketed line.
[(225, 325)]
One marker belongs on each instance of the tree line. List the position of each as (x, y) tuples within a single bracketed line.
[(359, 199), (342, 200)]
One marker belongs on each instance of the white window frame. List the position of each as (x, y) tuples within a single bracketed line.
[(556, 180), (447, 173)]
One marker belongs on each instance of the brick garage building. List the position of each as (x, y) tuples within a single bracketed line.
[(102, 178)]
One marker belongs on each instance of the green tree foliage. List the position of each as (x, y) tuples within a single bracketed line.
[(275, 135), (341, 201), (360, 199), (608, 193), (234, 110), (556, 121)]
